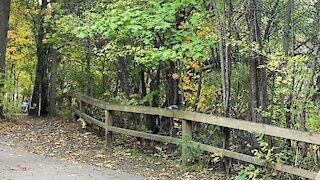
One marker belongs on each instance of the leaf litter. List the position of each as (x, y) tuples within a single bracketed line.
[(67, 140)]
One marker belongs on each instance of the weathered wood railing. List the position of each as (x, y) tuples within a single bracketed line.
[(187, 118)]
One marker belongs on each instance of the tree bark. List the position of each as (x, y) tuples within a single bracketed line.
[(39, 101), (53, 84), (124, 76), (88, 69), (287, 27), (53, 78), (4, 25), (172, 86), (151, 119), (143, 87), (225, 77), (286, 45), (258, 80), (258, 93)]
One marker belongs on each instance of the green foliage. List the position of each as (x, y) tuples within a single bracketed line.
[(269, 157), (293, 82), (172, 47), (250, 172), (64, 108), (138, 24), (192, 150), (264, 153)]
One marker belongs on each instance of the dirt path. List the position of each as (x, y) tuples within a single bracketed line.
[(66, 140), (18, 165)]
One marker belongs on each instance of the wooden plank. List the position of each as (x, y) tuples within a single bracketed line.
[(223, 152), (313, 138), (89, 118), (124, 108), (108, 124), (254, 160), (266, 129), (187, 129), (155, 137), (204, 118), (82, 106), (89, 100), (75, 110)]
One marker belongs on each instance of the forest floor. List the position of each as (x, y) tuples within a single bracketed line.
[(67, 140)]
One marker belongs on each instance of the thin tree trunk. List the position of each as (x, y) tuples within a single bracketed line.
[(88, 70), (17, 92), (286, 45), (225, 77), (143, 84), (198, 92), (286, 35), (143, 93), (150, 119), (174, 85), (104, 78), (14, 85), (4, 24), (89, 78), (11, 75)]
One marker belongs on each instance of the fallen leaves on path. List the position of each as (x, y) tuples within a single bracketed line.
[(65, 139)]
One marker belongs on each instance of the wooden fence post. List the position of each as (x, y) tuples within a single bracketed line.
[(186, 136), (108, 134), (82, 108)]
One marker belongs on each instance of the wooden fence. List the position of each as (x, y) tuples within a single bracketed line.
[(187, 119)]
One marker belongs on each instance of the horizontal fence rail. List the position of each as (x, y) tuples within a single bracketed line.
[(187, 119)]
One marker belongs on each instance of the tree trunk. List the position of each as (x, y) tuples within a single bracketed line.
[(172, 86), (225, 64), (39, 97), (53, 84), (286, 45), (286, 35), (195, 108), (10, 97), (124, 76), (88, 69), (14, 85), (4, 25), (53, 76), (258, 80), (151, 119), (143, 87), (104, 78)]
